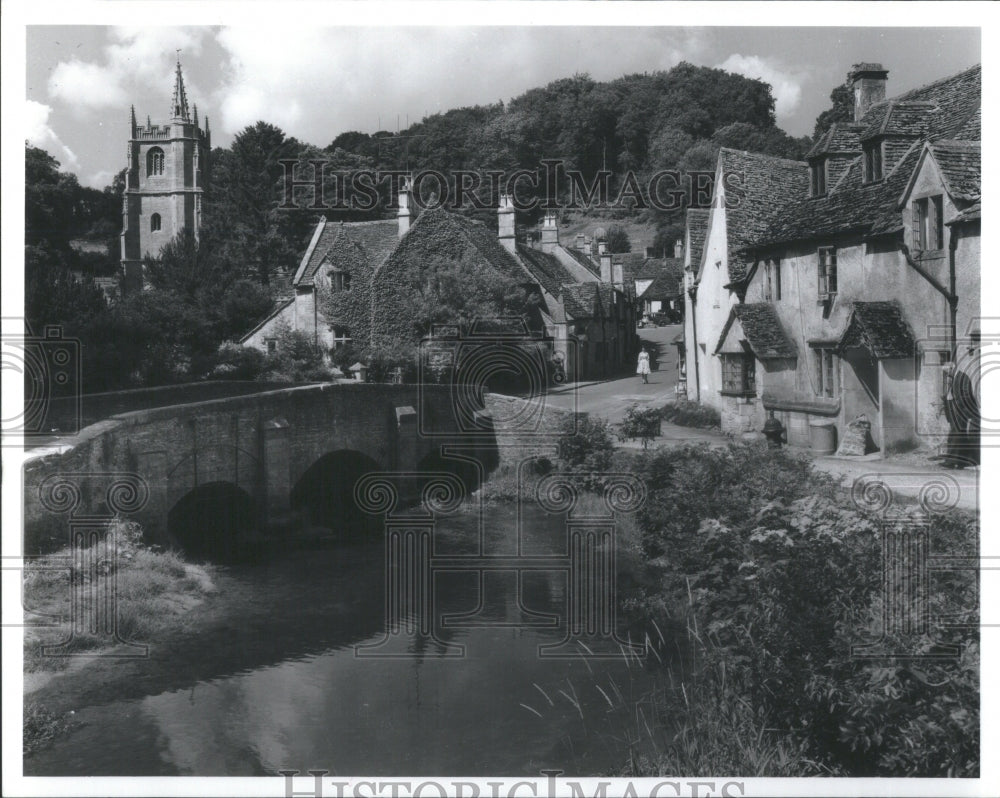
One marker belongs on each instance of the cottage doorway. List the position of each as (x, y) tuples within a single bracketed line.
[(860, 391)]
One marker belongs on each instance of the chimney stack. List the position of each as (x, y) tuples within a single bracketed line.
[(605, 267), (407, 213), (867, 81), (550, 233), (679, 249), (580, 242), (505, 219)]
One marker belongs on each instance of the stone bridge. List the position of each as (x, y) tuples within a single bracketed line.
[(223, 466)]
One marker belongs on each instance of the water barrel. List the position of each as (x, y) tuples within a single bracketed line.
[(822, 436)]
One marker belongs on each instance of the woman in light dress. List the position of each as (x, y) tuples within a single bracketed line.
[(642, 368)]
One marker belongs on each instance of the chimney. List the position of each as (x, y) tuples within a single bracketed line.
[(605, 266), (618, 273), (505, 219), (550, 233), (867, 81), (407, 210), (602, 246), (580, 241), (679, 249)]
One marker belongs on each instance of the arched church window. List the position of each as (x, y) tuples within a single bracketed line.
[(154, 162), (154, 222)]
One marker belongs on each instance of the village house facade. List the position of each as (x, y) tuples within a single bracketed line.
[(355, 285), (166, 174), (856, 296)]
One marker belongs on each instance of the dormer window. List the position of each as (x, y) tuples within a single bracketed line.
[(928, 227), (340, 281), (817, 178), (872, 162)]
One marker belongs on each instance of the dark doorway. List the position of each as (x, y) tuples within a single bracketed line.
[(325, 492), (215, 521)]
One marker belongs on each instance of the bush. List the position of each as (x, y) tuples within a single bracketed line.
[(586, 449), (778, 575), (686, 413), (235, 362), (642, 424)]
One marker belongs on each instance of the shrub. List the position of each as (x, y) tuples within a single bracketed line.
[(235, 362), (641, 424), (586, 449), (686, 413)]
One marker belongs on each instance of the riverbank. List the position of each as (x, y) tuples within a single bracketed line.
[(146, 593)]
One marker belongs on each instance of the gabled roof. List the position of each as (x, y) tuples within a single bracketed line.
[(372, 241), (545, 268), (584, 260), (940, 110), (762, 330), (840, 137), (880, 328), (697, 225), (961, 167), (276, 311), (766, 188), (633, 264), (666, 285)]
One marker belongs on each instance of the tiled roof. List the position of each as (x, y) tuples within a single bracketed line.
[(768, 187), (634, 264), (880, 328), (961, 167), (372, 241), (762, 330), (947, 107), (666, 285), (545, 268), (584, 261), (697, 224), (971, 214), (839, 137), (972, 129), (898, 118), (580, 300)]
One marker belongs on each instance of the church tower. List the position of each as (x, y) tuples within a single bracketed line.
[(166, 175)]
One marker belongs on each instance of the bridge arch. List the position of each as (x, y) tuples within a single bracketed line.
[(215, 521), (325, 491)]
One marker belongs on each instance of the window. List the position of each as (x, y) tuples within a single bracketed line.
[(154, 222), (154, 162), (738, 377), (928, 223), (873, 162), (827, 366), (772, 281), (271, 344), (340, 281), (827, 272), (341, 336), (817, 182)]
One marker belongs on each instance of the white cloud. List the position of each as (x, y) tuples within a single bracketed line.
[(139, 63), (38, 133), (786, 87)]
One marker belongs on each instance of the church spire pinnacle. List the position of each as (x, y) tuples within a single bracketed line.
[(195, 111), (132, 120), (180, 106)]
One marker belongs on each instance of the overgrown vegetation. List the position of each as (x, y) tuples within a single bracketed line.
[(776, 575), (643, 424), (686, 413)]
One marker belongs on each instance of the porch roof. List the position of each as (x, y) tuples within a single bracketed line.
[(762, 330), (880, 328)]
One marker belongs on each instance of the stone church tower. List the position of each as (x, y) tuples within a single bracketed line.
[(167, 173)]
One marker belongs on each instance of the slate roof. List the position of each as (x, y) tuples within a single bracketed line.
[(972, 130), (373, 241), (840, 137), (583, 260), (545, 268), (666, 285), (762, 329), (947, 107), (961, 167), (580, 299), (880, 328), (633, 264), (697, 224), (769, 187), (971, 214)]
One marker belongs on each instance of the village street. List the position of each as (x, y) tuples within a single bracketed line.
[(611, 398)]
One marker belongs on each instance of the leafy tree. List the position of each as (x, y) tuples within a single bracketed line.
[(618, 240), (841, 110)]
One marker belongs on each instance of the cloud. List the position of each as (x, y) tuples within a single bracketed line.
[(139, 62), (38, 133), (786, 87)]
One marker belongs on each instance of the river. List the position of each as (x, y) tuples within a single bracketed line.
[(269, 676)]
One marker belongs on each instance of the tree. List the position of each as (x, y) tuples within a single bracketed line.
[(840, 110), (618, 240)]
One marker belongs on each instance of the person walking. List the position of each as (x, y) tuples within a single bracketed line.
[(642, 367)]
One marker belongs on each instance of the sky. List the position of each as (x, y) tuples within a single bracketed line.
[(81, 80)]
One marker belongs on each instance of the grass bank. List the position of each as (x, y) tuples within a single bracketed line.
[(149, 590)]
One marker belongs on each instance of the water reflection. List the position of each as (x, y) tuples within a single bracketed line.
[(280, 684)]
